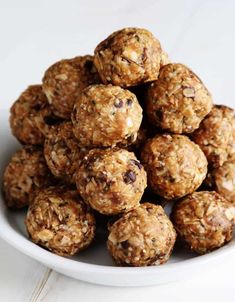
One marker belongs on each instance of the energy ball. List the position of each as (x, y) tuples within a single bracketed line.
[(174, 164), (223, 180), (204, 221), (128, 57), (26, 172), (60, 221), (111, 181), (64, 81), (31, 116), (62, 152), (178, 101), (104, 116), (215, 135), (142, 237)]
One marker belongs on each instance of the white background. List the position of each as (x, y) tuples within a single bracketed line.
[(34, 34)]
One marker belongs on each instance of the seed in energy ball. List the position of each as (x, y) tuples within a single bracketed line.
[(111, 181), (128, 57), (31, 116), (62, 152), (215, 135), (64, 81), (204, 221), (175, 165), (104, 116), (178, 101), (26, 172), (60, 221), (142, 237)]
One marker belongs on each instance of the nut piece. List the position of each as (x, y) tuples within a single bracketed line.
[(128, 57), (111, 181), (31, 116), (60, 221), (64, 81), (142, 237), (25, 173), (178, 100), (175, 165), (105, 116), (62, 153), (215, 135), (204, 221)]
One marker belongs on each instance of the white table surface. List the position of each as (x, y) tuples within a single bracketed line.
[(34, 34)]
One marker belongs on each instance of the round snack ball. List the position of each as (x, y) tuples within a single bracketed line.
[(62, 152), (31, 116), (64, 81), (104, 116), (178, 100), (215, 135), (142, 237), (60, 221), (224, 180), (111, 181), (128, 57), (204, 221), (174, 164), (26, 172)]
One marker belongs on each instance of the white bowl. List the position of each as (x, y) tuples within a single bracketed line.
[(94, 264)]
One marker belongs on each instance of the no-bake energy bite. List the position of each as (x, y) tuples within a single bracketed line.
[(178, 100), (64, 81), (111, 181), (62, 152), (105, 116), (222, 180), (128, 57), (60, 221), (144, 236), (204, 221), (174, 164), (215, 135), (31, 116), (24, 175)]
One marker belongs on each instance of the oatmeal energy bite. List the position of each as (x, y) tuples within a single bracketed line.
[(111, 181), (144, 236), (129, 57), (222, 180), (62, 153), (31, 116), (178, 101), (60, 221), (175, 165), (204, 221), (106, 115), (25, 173), (64, 81), (215, 135)]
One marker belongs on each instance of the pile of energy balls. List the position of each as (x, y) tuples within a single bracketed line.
[(118, 135)]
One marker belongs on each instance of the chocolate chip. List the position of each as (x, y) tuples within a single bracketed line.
[(125, 244), (137, 163), (118, 104), (129, 177), (129, 102), (51, 120)]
